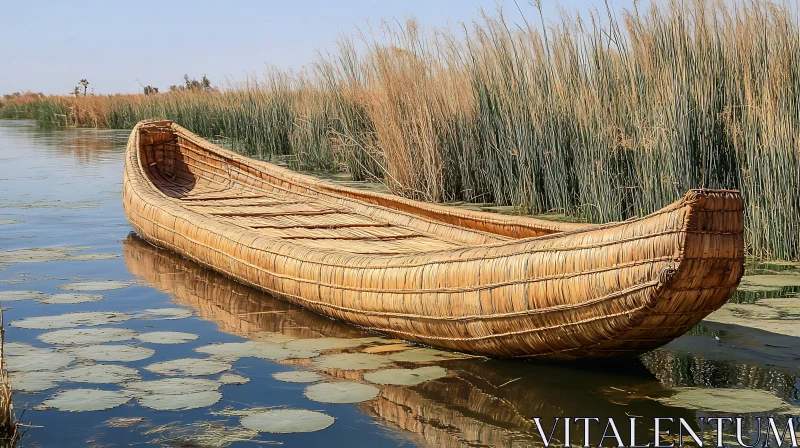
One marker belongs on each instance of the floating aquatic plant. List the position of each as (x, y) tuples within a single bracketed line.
[(321, 344), (285, 421), (176, 393), (189, 366), (166, 337), (106, 285), (91, 257), (82, 400), (405, 377), (387, 348), (100, 374), (13, 296), (231, 378), (68, 299), (172, 385), (90, 318), (771, 281), (351, 361), (422, 355), (164, 313), (180, 402), (256, 349), (271, 336), (38, 360), (35, 381), (111, 352), (341, 392), (39, 255), (19, 348), (736, 401), (298, 376), (87, 336), (5, 222)]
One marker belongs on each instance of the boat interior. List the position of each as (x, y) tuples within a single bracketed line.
[(279, 203)]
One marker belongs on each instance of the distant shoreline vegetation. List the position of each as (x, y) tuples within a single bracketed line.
[(604, 117)]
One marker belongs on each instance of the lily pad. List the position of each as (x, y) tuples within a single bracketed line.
[(95, 286), (111, 352), (19, 348), (39, 255), (82, 400), (420, 355), (778, 281), (87, 336), (180, 402), (387, 348), (164, 313), (70, 320), (230, 378), (298, 376), (67, 299), (101, 373), (39, 360), (255, 349), (172, 386), (189, 366), (271, 336), (13, 296), (405, 377), (351, 361), (321, 344), (35, 381), (166, 337), (285, 421), (341, 392), (726, 315), (735, 401), (91, 257)]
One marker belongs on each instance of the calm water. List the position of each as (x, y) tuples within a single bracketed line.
[(60, 189)]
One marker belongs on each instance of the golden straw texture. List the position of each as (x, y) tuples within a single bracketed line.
[(469, 281)]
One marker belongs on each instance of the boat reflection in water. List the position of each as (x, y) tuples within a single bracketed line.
[(480, 402)]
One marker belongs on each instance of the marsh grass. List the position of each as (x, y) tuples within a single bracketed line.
[(9, 427), (603, 117)]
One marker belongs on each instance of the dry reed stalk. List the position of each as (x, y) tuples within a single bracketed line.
[(9, 427), (602, 117)]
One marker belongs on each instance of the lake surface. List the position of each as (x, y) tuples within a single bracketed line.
[(95, 316)]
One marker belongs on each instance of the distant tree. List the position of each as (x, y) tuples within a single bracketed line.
[(77, 91), (85, 85), (150, 90), (204, 85)]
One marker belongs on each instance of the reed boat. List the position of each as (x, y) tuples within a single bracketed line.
[(476, 282)]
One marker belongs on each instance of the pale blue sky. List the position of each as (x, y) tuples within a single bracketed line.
[(49, 45)]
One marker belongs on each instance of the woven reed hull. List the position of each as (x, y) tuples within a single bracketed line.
[(468, 281)]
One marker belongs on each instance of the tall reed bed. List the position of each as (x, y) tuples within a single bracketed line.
[(9, 427), (606, 116)]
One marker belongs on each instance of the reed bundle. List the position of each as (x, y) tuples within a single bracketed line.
[(468, 281)]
